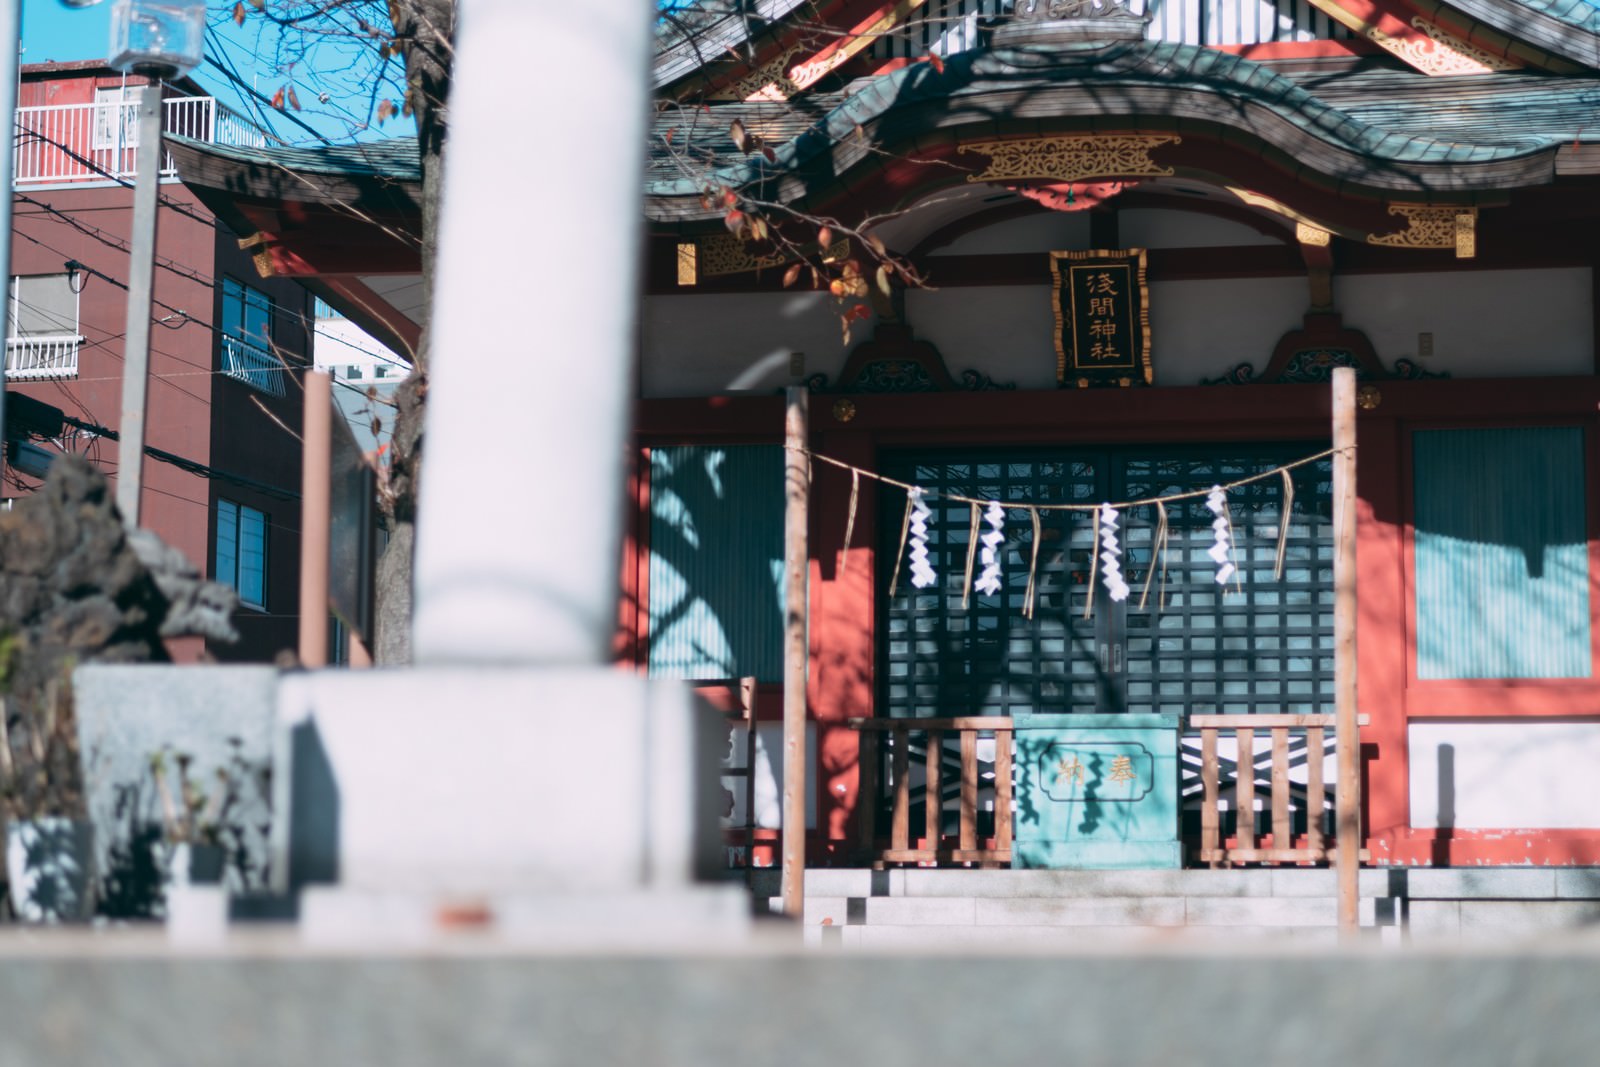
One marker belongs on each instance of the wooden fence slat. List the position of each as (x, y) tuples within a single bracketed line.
[(1002, 789), (1282, 836), (900, 825), (1316, 792), (969, 789), (1245, 782), (933, 801), (1210, 829)]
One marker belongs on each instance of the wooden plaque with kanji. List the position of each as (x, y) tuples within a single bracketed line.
[(1102, 312)]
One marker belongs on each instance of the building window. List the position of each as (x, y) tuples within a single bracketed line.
[(247, 352), (42, 338), (241, 557), (116, 118)]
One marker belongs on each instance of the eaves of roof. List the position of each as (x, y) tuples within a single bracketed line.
[(1390, 131), (683, 54), (393, 159), (1567, 28)]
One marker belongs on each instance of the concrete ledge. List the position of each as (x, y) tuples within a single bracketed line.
[(1272, 911), (84, 1000), (1579, 882), (1486, 883), (1501, 920), (921, 911), (1078, 911), (715, 915)]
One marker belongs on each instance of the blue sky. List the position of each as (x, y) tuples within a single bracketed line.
[(51, 32)]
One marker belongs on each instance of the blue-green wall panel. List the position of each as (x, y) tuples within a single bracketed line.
[(1502, 557), (716, 562)]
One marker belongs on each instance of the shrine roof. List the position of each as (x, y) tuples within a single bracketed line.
[(394, 158), (1386, 129), (692, 34)]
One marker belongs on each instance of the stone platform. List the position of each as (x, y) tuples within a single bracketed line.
[(1003, 909)]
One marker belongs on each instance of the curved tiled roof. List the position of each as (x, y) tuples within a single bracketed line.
[(394, 158), (1385, 130)]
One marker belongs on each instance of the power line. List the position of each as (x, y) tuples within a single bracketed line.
[(308, 322)]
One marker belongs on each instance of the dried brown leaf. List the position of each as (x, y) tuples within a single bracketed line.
[(791, 275)]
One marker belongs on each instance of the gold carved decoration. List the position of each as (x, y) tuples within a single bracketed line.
[(1073, 157), (260, 254), (777, 80), (844, 409), (1441, 54), (1429, 226), (725, 253), (1368, 397), (1466, 235), (770, 81), (1307, 234)]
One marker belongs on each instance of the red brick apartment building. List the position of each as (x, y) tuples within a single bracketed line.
[(222, 470)]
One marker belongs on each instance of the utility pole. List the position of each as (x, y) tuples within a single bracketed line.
[(10, 47), (141, 272)]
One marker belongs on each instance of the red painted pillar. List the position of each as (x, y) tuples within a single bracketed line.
[(842, 627), (1382, 633)]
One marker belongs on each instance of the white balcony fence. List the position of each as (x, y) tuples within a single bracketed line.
[(255, 367), (96, 142), (37, 356)]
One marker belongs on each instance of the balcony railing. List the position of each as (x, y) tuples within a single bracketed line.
[(96, 142), (255, 367), (50, 355)]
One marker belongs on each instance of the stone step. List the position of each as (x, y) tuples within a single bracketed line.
[(1499, 883), (1055, 939), (1078, 912)]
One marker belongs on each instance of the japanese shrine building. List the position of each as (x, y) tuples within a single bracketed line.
[(1407, 189)]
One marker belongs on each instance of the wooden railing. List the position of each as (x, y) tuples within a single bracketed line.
[(1282, 843), (1216, 848), (968, 848)]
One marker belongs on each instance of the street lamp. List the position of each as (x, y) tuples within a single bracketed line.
[(158, 38)]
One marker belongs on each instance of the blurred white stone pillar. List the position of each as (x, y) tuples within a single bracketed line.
[(511, 775), (535, 298)]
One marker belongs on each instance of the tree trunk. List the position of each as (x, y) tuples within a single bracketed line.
[(425, 29)]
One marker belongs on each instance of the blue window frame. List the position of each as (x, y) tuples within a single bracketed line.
[(241, 552)]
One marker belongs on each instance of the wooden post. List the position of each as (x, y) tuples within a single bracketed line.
[(797, 490), (316, 506), (1347, 796)]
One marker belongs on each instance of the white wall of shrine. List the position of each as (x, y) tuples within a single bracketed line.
[(707, 344), (1485, 324), (1525, 323), (1500, 776)]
